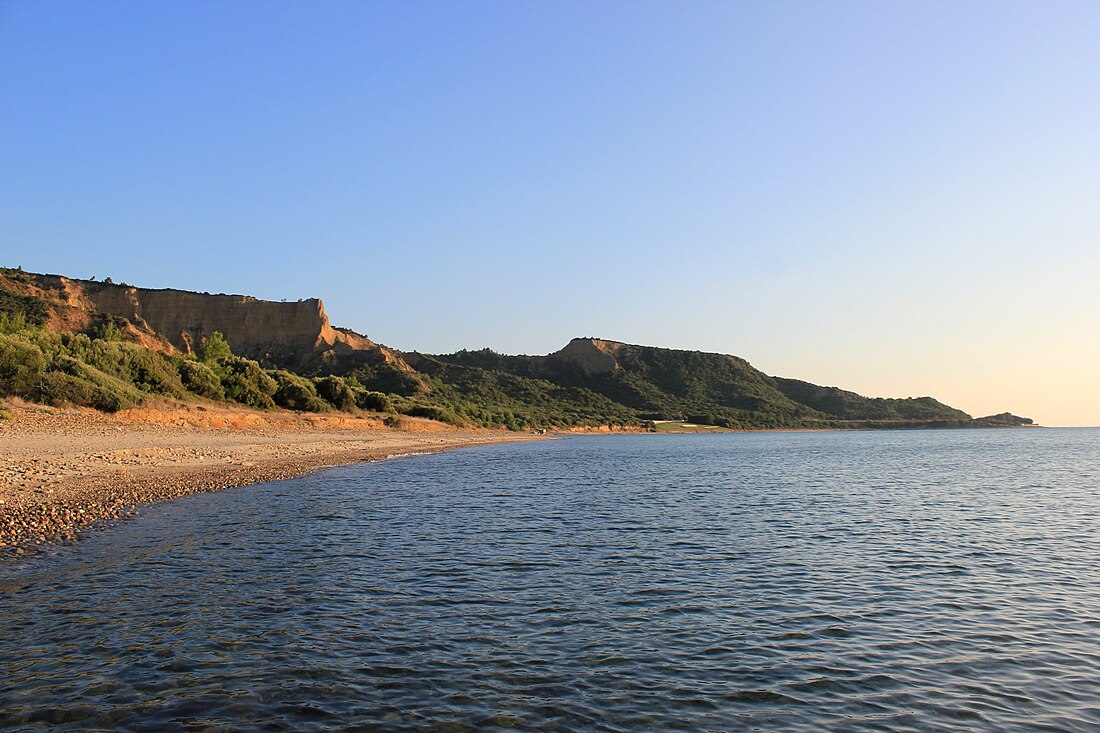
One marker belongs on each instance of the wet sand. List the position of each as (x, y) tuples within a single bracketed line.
[(63, 470)]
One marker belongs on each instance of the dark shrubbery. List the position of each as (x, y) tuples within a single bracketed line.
[(199, 379), (32, 311), (244, 381), (108, 331), (72, 381), (296, 393), (389, 379), (148, 370), (336, 392), (58, 388), (432, 412), (376, 401), (21, 364)]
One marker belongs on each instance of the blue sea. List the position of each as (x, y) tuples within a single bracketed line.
[(836, 581)]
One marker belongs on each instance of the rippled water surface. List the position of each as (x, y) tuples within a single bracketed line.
[(903, 581)]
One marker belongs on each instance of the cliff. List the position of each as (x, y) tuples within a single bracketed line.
[(295, 335)]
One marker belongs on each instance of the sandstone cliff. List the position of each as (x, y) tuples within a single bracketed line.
[(294, 335)]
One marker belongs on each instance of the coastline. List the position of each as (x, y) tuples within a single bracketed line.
[(64, 470)]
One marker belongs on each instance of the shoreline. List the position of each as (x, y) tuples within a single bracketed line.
[(66, 470)]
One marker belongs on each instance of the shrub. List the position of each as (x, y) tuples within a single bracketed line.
[(373, 401), (49, 342), (21, 364), (334, 391), (214, 348), (59, 388), (244, 381), (76, 345), (108, 331), (73, 381), (296, 393), (148, 370), (432, 412), (390, 379), (28, 309), (15, 323), (199, 379)]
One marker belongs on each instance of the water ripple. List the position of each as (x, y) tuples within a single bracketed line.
[(941, 581)]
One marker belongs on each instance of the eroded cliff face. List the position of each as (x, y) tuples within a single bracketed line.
[(593, 356), (294, 335)]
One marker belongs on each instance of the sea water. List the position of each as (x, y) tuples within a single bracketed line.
[(844, 581)]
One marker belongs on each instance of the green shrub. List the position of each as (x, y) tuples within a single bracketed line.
[(296, 393), (15, 323), (108, 331), (76, 345), (49, 342), (59, 388), (244, 381), (21, 364), (389, 379), (148, 370), (28, 309), (373, 401), (71, 381), (214, 348), (336, 392), (199, 379), (432, 412)]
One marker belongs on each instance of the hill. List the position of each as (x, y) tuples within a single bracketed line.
[(713, 389), (309, 364)]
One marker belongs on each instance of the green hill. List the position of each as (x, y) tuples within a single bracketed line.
[(699, 387)]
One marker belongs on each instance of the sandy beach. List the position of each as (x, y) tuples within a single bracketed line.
[(63, 470)]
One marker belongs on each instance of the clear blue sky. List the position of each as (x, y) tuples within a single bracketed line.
[(895, 198)]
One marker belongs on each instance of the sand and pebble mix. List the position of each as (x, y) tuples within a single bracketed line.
[(62, 471)]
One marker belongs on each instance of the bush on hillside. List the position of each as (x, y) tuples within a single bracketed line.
[(336, 392), (15, 323), (58, 388), (51, 344), (31, 310), (199, 379), (147, 370), (244, 381), (376, 401), (296, 393), (107, 331), (214, 348), (74, 382), (389, 379), (21, 364), (432, 412)]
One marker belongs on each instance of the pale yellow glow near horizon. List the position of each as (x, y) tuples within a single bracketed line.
[(1056, 383)]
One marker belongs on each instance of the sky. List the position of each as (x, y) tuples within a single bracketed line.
[(901, 199)]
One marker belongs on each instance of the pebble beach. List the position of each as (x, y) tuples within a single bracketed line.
[(63, 470)]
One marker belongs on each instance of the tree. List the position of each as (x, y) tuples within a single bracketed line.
[(215, 347)]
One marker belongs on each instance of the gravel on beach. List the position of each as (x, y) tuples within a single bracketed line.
[(64, 470)]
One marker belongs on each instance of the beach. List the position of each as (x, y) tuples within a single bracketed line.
[(65, 469)]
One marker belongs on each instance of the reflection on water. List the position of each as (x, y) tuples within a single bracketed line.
[(800, 581)]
